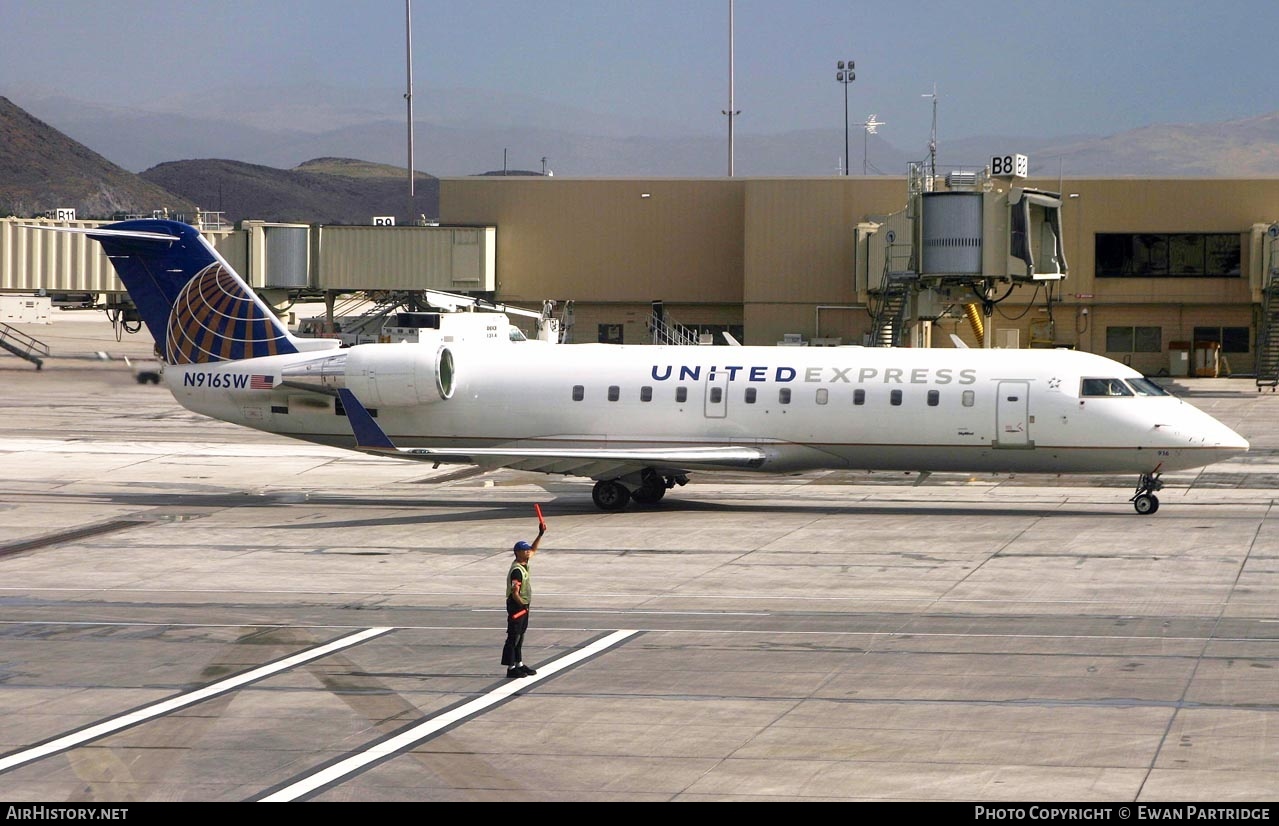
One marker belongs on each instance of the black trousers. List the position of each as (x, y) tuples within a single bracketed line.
[(516, 625)]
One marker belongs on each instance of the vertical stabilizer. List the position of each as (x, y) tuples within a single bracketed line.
[(196, 306)]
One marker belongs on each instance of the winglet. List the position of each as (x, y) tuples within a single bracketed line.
[(367, 432)]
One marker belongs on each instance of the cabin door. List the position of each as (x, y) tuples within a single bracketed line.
[(716, 395), (1012, 415)]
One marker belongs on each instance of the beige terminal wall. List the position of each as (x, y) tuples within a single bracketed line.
[(606, 240), (758, 252), (779, 255), (800, 254)]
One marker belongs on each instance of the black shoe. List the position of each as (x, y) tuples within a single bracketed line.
[(525, 671), (515, 672)]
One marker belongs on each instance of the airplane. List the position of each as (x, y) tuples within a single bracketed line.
[(640, 420)]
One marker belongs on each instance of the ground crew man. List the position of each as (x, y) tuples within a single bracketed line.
[(519, 595)]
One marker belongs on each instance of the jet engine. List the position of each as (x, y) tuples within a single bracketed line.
[(381, 375)]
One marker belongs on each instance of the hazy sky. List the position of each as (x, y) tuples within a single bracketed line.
[(1030, 67)]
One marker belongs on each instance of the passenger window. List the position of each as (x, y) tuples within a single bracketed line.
[(1103, 387), (823, 395), (968, 398), (859, 397), (646, 394), (578, 392), (783, 395), (681, 394), (934, 396), (895, 398), (750, 395), (614, 392), (717, 395)]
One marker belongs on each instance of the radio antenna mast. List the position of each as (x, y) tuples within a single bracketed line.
[(932, 140)]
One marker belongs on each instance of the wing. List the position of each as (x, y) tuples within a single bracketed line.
[(591, 462)]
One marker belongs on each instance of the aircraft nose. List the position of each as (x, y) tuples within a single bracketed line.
[(1209, 441), (1224, 441)]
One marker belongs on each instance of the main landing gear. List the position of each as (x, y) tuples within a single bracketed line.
[(1144, 499), (613, 495)]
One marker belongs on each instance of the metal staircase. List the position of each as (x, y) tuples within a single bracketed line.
[(22, 345), (897, 283), (1267, 366), (890, 313), (666, 330)]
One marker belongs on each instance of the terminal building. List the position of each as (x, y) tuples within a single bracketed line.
[(1171, 276)]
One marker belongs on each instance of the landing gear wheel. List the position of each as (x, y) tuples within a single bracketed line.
[(1144, 499), (1146, 503), (648, 494), (610, 496)]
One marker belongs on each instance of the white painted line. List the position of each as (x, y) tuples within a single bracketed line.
[(182, 700), (428, 727)]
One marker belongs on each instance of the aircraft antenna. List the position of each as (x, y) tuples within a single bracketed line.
[(932, 140), (871, 125)]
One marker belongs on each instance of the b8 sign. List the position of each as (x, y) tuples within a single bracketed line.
[(1017, 166)]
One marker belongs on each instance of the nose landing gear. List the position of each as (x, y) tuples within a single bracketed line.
[(1144, 499)]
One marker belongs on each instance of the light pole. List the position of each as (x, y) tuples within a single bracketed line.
[(845, 76)]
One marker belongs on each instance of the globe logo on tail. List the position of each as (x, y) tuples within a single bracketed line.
[(215, 318)]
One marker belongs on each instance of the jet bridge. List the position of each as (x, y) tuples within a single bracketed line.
[(961, 245)]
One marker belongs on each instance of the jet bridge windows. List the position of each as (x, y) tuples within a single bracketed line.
[(1036, 235), (1093, 388)]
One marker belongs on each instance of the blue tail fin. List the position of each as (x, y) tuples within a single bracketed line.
[(196, 307)]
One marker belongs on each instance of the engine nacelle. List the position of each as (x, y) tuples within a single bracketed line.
[(398, 375)]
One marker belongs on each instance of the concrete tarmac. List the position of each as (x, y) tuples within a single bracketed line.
[(192, 611)]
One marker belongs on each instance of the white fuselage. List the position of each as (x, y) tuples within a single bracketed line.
[(805, 408)]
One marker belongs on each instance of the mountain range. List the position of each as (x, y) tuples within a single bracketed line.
[(335, 159), (465, 132)]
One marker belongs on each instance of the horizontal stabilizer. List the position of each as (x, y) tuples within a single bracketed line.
[(110, 233)]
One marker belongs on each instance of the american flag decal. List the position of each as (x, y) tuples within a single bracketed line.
[(261, 382)]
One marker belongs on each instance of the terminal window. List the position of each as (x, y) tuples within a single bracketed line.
[(1134, 339), (1169, 255), (1231, 339)]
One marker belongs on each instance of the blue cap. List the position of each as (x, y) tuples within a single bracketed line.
[(523, 546)]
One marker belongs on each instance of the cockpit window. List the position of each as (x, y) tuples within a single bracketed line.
[(1146, 387), (1103, 387)]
